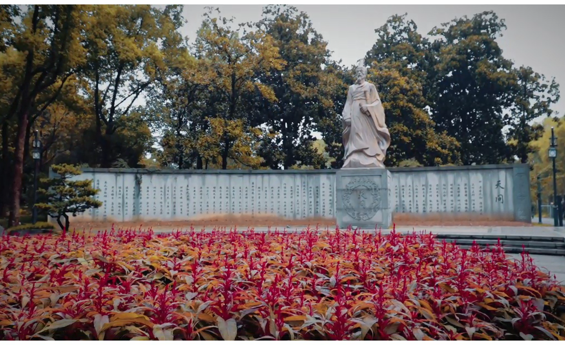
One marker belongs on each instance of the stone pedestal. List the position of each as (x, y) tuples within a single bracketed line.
[(364, 198)]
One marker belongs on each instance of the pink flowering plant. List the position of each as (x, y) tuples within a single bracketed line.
[(241, 285)]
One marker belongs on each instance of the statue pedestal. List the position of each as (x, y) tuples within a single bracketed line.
[(364, 198)]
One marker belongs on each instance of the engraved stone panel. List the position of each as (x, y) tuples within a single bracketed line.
[(127, 194), (522, 199), (326, 196), (363, 198), (288, 195)]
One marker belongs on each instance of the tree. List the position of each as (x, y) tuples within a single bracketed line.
[(534, 95), (177, 111), (237, 58), (322, 159), (10, 65), (62, 196), (124, 60), (298, 87), (412, 131), (400, 61), (542, 165), (400, 43), (472, 85), (242, 152), (328, 118), (46, 50)]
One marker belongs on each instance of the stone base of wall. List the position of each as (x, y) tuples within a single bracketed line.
[(450, 219), (245, 222), (209, 221)]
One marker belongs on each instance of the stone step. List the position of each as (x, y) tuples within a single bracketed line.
[(508, 243), (532, 251), (501, 237)]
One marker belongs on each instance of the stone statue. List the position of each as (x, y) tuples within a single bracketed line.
[(365, 136)]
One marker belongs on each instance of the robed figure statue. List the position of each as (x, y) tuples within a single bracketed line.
[(365, 136)]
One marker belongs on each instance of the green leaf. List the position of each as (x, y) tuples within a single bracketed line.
[(58, 324), (227, 328), (454, 322), (526, 336)]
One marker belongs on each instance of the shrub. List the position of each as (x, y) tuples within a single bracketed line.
[(62, 196), (134, 284), (38, 226)]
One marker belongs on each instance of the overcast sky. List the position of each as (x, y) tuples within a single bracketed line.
[(534, 34)]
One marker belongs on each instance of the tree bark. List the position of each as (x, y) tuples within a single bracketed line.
[(225, 154), (17, 176), (199, 163), (106, 159), (26, 141), (22, 104), (64, 227), (5, 171), (286, 146), (67, 223)]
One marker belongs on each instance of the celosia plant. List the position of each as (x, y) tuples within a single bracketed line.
[(135, 284)]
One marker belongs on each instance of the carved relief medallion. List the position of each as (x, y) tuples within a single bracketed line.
[(362, 199)]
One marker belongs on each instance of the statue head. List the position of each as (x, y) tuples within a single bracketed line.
[(361, 70)]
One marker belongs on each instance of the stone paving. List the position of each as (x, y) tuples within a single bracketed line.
[(464, 230), (548, 263)]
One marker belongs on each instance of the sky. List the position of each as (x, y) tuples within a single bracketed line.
[(534, 34)]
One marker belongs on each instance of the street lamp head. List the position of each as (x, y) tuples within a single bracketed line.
[(36, 144)]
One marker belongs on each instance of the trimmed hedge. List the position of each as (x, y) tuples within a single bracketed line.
[(36, 226)]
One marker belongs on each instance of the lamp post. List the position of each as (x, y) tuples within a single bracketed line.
[(553, 155), (539, 198), (36, 154)]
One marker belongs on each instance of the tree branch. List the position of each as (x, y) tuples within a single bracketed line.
[(115, 94), (52, 99), (136, 96), (139, 89)]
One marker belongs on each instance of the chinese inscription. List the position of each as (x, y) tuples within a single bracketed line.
[(499, 197)]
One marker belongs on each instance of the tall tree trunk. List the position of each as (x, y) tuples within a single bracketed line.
[(27, 169), (4, 171), (104, 145), (26, 142), (287, 147), (16, 187), (108, 156), (199, 163), (225, 153), (22, 103)]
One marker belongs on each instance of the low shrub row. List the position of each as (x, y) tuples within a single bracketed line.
[(30, 226)]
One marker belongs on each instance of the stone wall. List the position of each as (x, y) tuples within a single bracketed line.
[(475, 192)]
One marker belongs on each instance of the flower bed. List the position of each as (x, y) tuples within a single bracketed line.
[(246, 285)]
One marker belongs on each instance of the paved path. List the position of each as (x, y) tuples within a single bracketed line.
[(467, 230), (548, 263), (547, 221)]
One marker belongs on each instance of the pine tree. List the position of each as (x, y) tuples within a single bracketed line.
[(62, 196)]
